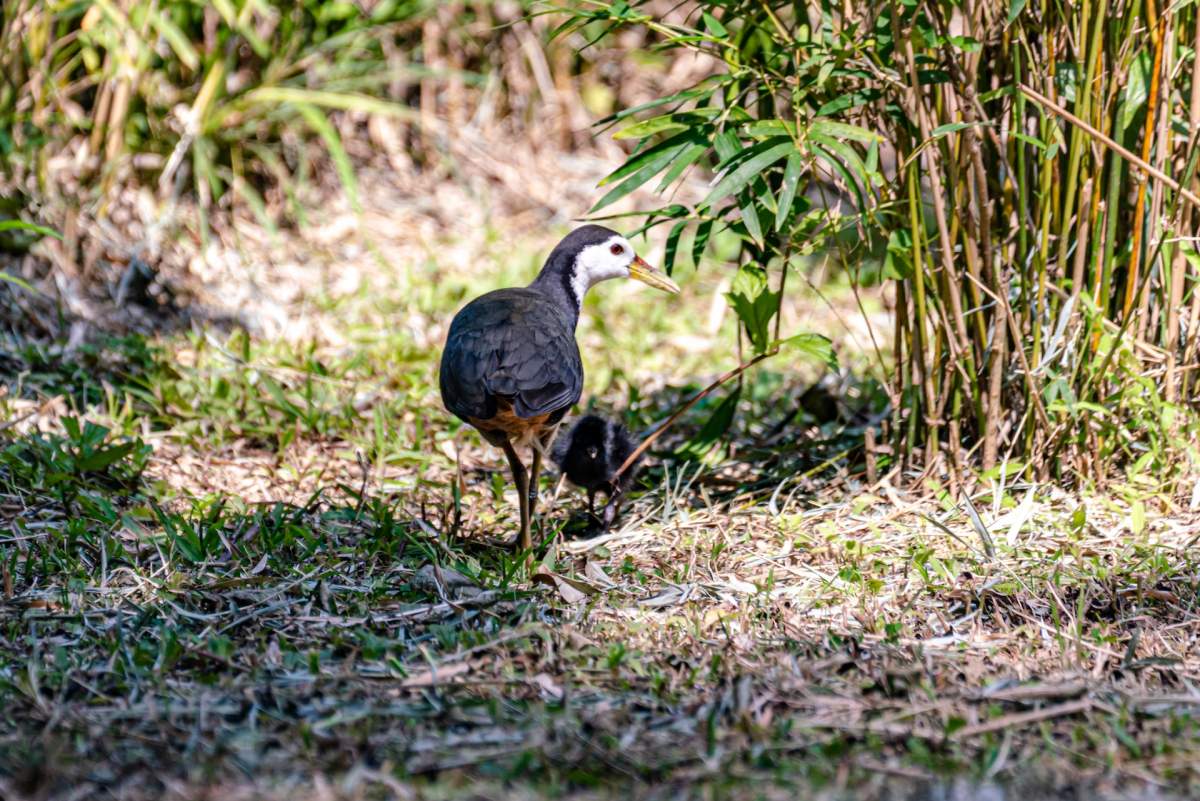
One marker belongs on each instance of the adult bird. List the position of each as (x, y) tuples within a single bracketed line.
[(511, 367)]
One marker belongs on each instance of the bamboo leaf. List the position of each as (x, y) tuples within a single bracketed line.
[(714, 26), (700, 241), (843, 130), (787, 192), (672, 246), (651, 169), (642, 158), (667, 122), (764, 155), (685, 160)]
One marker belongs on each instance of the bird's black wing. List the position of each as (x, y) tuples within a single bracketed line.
[(513, 344)]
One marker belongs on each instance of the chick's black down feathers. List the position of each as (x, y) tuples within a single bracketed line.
[(590, 455)]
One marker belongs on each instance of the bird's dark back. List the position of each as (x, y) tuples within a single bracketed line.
[(513, 345)]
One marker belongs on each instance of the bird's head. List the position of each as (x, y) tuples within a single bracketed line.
[(592, 253)]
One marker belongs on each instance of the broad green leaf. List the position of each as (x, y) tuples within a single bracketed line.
[(101, 459), (813, 346), (763, 156), (1014, 10), (787, 192), (967, 44), (727, 146), (751, 221), (852, 182), (705, 87), (755, 304)]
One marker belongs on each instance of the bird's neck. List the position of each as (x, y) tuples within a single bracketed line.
[(558, 282)]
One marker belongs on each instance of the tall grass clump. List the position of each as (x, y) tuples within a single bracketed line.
[(1020, 176), (248, 101)]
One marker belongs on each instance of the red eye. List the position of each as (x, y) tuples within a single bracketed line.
[(617, 250)]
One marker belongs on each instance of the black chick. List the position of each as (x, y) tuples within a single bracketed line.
[(590, 454)]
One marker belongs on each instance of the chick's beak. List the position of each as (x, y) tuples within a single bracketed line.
[(641, 271)]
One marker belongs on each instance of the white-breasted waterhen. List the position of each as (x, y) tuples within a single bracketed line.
[(511, 367), (590, 455)]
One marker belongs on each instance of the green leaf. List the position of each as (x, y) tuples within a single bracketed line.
[(842, 130), (771, 128), (685, 160), (951, 127), (713, 429), (667, 122), (21, 225), (705, 87), (337, 153), (651, 168), (103, 458), (700, 241), (758, 159), (1014, 10), (642, 158), (14, 280), (787, 192), (672, 246), (812, 346), (714, 26), (967, 44), (751, 221), (755, 304), (1137, 88)]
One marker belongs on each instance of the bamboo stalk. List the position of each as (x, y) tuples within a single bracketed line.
[(1124, 152), (1139, 209)]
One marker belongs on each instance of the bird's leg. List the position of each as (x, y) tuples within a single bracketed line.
[(540, 448), (613, 506), (521, 479), (535, 473)]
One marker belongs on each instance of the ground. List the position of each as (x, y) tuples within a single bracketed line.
[(259, 560)]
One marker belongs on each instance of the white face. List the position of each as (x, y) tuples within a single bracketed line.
[(596, 263)]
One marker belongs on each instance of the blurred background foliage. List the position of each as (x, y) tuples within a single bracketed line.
[(1012, 176)]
